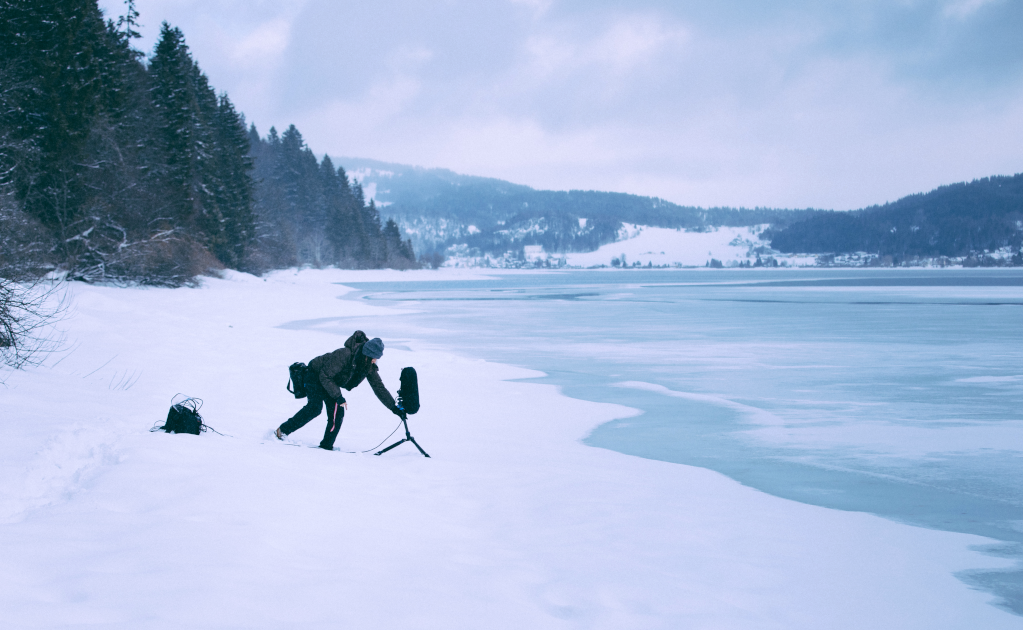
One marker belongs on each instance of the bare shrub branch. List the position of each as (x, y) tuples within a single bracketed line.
[(28, 315)]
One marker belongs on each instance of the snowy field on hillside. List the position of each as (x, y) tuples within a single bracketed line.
[(512, 523), (665, 246)]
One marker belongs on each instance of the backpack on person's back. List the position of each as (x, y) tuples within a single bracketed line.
[(297, 371)]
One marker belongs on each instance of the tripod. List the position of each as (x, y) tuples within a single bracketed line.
[(408, 438)]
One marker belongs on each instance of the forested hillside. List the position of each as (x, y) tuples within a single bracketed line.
[(115, 167), (439, 208), (955, 220), (309, 212)]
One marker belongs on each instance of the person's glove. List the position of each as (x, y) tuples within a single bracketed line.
[(340, 400), (398, 411)]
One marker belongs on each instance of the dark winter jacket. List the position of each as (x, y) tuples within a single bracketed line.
[(347, 367)]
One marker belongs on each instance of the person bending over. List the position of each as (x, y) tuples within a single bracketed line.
[(327, 374)]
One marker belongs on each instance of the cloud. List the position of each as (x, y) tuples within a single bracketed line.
[(263, 45), (539, 7), (360, 120), (622, 46), (962, 9)]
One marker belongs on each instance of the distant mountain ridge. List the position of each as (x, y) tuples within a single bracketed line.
[(964, 219), (439, 208)]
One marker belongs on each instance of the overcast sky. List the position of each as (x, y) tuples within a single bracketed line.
[(798, 103)]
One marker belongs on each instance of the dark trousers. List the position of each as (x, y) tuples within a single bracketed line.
[(314, 405)]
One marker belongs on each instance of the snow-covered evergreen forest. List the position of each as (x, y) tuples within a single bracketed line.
[(120, 167)]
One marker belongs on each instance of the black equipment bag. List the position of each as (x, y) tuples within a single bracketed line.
[(408, 394), (297, 372), (184, 417)]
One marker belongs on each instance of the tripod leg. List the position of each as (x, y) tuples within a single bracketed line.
[(413, 440), (399, 442), (408, 438)]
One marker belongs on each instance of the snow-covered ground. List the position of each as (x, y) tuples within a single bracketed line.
[(513, 523), (665, 246)]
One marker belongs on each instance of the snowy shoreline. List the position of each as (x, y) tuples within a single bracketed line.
[(512, 523)]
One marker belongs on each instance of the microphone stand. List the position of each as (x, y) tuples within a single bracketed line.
[(408, 438)]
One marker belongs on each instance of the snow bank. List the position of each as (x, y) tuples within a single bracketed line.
[(512, 523)]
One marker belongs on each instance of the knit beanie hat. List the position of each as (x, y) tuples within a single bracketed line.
[(374, 348)]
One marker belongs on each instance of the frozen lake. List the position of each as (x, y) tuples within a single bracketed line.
[(895, 392)]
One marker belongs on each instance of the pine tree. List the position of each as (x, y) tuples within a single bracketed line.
[(177, 111), (129, 22), (336, 228), (206, 154), (394, 248), (363, 248), (274, 244), (376, 249), (351, 221), (299, 177), (117, 160), (207, 216), (234, 191), (52, 79)]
